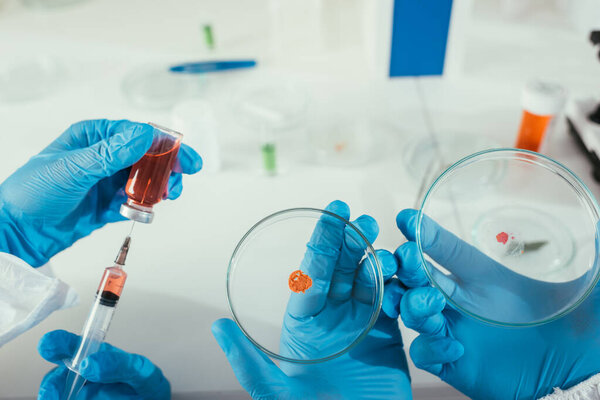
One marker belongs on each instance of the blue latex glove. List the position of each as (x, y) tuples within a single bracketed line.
[(112, 374), (376, 368), (76, 185), (485, 361)]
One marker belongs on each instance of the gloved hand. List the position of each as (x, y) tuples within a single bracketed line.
[(76, 185), (376, 368), (485, 361), (112, 374)]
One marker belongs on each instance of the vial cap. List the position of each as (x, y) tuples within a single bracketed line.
[(543, 97), (136, 214)]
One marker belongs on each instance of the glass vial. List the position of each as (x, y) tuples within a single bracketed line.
[(149, 177)]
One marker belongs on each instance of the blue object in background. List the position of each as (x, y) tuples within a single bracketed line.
[(211, 66), (419, 36)]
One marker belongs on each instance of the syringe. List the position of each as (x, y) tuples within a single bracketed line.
[(98, 321)]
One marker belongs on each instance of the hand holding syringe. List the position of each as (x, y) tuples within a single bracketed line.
[(98, 321)]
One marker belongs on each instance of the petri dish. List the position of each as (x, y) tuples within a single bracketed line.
[(276, 104), (154, 87), (314, 322), (520, 250), (423, 154), (31, 78), (273, 110), (344, 142)]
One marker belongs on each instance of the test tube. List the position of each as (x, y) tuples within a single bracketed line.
[(148, 179), (268, 150), (541, 102)]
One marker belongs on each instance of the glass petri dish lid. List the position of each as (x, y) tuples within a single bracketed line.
[(287, 288), (518, 251)]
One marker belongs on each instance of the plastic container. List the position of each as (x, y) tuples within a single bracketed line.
[(541, 102), (197, 119)]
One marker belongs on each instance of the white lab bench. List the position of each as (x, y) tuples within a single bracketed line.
[(177, 265)]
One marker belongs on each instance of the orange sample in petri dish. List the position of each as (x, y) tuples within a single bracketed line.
[(299, 282), (149, 177)]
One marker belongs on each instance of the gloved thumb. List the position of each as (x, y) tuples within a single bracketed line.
[(108, 156), (254, 370)]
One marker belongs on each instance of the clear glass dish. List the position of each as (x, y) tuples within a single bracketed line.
[(285, 322), (31, 78), (154, 87), (518, 250), (273, 111)]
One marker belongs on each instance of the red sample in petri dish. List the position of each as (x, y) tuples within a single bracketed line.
[(149, 177), (502, 237)]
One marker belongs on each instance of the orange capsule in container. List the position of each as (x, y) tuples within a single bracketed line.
[(541, 101)]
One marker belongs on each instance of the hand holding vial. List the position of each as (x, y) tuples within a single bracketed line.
[(76, 185)]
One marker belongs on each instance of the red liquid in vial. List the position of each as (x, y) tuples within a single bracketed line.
[(148, 179)]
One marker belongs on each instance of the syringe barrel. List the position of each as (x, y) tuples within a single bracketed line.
[(94, 332), (98, 321)]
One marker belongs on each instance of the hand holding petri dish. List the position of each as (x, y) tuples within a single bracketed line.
[(305, 285), (520, 250)]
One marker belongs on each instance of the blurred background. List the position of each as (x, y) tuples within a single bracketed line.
[(349, 99)]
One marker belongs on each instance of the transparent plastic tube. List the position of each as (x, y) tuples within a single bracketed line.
[(98, 321), (92, 337)]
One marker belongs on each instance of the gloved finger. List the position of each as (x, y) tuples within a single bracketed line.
[(320, 259), (392, 296), (116, 391), (454, 254), (406, 221), (175, 186), (431, 353), (252, 368), (410, 265), (113, 196), (366, 277), (421, 310), (57, 345), (109, 156), (111, 213), (53, 384), (412, 273), (84, 134), (353, 250), (188, 160), (113, 365)]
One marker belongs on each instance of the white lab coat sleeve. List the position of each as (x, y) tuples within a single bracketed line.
[(28, 296), (586, 390)]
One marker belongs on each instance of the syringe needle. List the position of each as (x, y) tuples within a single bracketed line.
[(122, 255), (131, 230)]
